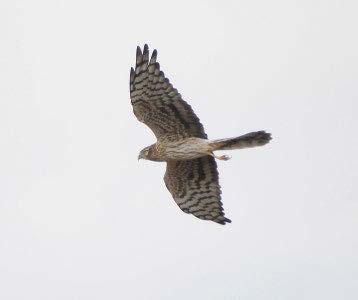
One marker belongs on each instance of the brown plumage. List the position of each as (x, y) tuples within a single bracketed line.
[(191, 175)]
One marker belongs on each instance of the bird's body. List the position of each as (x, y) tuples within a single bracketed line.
[(183, 149), (193, 147), (191, 175)]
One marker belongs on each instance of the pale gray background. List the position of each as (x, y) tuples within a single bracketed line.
[(80, 218)]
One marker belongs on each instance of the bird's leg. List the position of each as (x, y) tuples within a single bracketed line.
[(222, 157)]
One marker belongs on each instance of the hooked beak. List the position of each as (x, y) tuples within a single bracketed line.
[(140, 156)]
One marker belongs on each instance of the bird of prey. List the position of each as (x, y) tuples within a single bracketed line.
[(191, 173)]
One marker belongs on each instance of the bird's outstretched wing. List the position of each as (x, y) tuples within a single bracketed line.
[(194, 185), (158, 104)]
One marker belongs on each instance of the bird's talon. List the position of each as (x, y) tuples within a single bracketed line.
[(223, 157)]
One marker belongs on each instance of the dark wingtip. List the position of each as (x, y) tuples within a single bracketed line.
[(139, 56), (153, 58), (145, 53), (131, 77), (223, 221), (157, 66)]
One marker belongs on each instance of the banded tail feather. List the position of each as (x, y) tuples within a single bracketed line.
[(249, 140)]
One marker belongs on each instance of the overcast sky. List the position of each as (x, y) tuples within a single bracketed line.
[(82, 219)]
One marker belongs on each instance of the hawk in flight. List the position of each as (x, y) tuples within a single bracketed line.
[(191, 175)]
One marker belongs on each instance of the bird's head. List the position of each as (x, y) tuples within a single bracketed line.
[(144, 153), (150, 153)]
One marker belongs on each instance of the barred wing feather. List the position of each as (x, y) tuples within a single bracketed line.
[(194, 185), (158, 104)]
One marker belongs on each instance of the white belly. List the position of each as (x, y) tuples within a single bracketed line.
[(189, 148)]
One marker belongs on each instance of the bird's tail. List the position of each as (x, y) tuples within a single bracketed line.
[(252, 139)]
